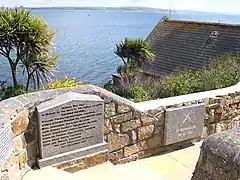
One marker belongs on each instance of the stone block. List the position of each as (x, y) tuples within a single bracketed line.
[(121, 108), (145, 132), (107, 126), (94, 160), (142, 145), (117, 141), (130, 125), (130, 150), (18, 144), (147, 120), (233, 124), (221, 127), (160, 115), (137, 114), (210, 118), (214, 106), (122, 117), (10, 161), (22, 160), (153, 111), (75, 168), (84, 162), (110, 110), (155, 142), (116, 128), (156, 111), (133, 136), (115, 156), (20, 123), (230, 102), (219, 110), (211, 129), (224, 117), (133, 149), (150, 152), (134, 157), (237, 98), (158, 131)]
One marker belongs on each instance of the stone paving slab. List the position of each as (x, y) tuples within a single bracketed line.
[(175, 165), (47, 173), (178, 165), (108, 171), (187, 157)]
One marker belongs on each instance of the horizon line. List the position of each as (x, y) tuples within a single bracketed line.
[(122, 7)]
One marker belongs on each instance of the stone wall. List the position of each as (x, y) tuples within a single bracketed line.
[(134, 134), (20, 111), (219, 158), (16, 165), (133, 131)]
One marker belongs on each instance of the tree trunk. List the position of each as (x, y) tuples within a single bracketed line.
[(123, 61), (13, 67), (14, 76), (28, 82)]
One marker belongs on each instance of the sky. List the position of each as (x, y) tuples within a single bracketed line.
[(222, 6)]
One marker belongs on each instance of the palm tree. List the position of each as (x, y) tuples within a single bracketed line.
[(133, 53), (39, 68), (21, 34), (133, 50)]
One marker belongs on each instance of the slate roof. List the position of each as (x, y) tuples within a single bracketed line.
[(179, 44)]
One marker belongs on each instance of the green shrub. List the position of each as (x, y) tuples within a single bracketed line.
[(65, 83), (7, 92), (138, 93), (130, 68), (223, 71)]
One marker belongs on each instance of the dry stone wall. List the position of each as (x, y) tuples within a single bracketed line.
[(130, 131), (132, 134)]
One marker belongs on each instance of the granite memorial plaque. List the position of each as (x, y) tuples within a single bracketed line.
[(183, 123), (70, 123), (6, 142)]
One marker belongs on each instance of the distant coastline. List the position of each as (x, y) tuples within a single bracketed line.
[(103, 8), (134, 9)]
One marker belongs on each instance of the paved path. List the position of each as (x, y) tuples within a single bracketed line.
[(178, 165)]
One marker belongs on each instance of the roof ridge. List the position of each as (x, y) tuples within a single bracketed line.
[(201, 22), (156, 28)]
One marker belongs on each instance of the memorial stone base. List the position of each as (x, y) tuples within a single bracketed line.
[(72, 155), (84, 162)]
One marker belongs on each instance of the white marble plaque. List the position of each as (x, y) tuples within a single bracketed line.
[(6, 142), (69, 122), (183, 123)]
